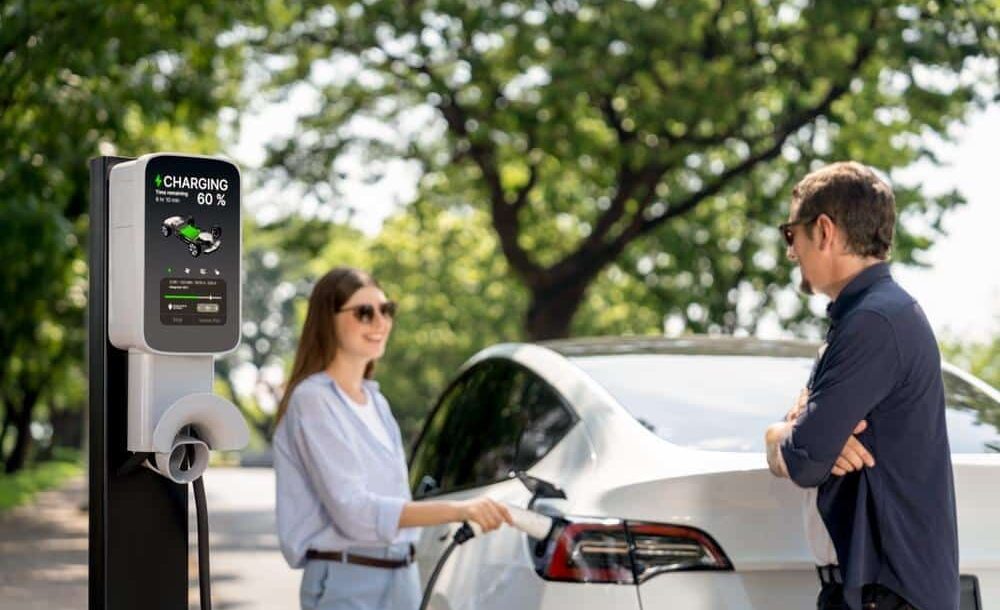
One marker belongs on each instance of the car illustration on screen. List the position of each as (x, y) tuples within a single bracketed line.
[(199, 241)]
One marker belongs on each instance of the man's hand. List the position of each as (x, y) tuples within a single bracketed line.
[(776, 434), (773, 438), (853, 456)]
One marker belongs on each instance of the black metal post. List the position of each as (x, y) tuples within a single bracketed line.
[(138, 519)]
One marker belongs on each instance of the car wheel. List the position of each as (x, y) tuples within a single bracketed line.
[(165, 230), (194, 249)]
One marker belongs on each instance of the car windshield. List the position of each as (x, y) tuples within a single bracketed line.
[(724, 403)]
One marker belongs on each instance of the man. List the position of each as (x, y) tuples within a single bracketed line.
[(870, 434)]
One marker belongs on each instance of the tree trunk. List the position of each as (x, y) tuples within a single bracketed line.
[(4, 427), (552, 309), (22, 424), (67, 428), (5, 401)]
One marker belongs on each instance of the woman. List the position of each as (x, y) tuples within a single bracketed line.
[(344, 508)]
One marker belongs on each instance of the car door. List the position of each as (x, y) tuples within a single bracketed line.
[(497, 417)]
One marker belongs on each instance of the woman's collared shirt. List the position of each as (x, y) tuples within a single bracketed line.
[(338, 487)]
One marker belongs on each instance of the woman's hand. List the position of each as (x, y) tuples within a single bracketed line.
[(485, 512)]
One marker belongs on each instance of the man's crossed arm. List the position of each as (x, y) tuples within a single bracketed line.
[(819, 437), (854, 455)]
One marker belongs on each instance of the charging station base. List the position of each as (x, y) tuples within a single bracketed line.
[(138, 540)]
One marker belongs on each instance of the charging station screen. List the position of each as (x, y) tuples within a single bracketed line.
[(192, 254)]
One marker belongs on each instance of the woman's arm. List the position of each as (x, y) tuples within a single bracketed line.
[(488, 513)]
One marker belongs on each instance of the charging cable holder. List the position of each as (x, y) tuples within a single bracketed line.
[(174, 415)]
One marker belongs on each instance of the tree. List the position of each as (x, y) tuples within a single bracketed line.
[(42, 374), (438, 262), (596, 133), (37, 258), (80, 78)]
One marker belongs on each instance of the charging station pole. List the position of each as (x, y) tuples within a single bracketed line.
[(138, 542)]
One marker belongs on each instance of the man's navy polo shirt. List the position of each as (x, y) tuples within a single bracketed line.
[(893, 524)]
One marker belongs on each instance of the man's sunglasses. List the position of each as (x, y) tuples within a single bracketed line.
[(366, 313), (786, 228)]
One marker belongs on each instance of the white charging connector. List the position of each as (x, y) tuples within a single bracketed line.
[(530, 522)]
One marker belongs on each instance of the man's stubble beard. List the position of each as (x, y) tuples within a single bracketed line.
[(804, 284)]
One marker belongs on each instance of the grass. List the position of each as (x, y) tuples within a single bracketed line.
[(20, 487)]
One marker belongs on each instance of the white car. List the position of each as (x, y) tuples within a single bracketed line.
[(657, 445)]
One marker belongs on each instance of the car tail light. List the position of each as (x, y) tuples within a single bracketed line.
[(622, 552), (668, 548), (592, 551)]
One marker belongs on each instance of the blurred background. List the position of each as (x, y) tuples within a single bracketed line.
[(510, 170)]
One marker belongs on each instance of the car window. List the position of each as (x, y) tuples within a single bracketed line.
[(470, 436), (724, 403), (496, 415), (546, 420), (973, 417)]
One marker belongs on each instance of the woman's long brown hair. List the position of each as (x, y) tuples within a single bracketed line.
[(318, 342)]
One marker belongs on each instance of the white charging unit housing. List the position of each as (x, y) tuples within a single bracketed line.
[(175, 268)]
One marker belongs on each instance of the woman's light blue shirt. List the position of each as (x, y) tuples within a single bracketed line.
[(338, 487)]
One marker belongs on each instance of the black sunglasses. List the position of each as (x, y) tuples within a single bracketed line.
[(786, 228), (366, 313)]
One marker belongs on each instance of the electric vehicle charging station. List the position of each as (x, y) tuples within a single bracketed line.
[(165, 291)]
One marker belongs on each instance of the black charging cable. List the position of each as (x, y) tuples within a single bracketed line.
[(201, 514), (461, 536), (201, 517), (204, 579)]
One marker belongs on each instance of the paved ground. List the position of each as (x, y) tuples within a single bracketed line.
[(43, 552), (248, 571), (43, 548)]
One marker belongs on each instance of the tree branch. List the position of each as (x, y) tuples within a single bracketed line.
[(505, 219), (615, 120), (522, 193), (641, 226)]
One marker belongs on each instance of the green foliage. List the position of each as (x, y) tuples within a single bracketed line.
[(41, 324), (982, 359), (81, 78), (599, 134), (17, 489)]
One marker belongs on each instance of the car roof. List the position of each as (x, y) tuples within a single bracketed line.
[(691, 344)]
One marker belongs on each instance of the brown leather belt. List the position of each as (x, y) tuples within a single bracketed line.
[(361, 560)]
